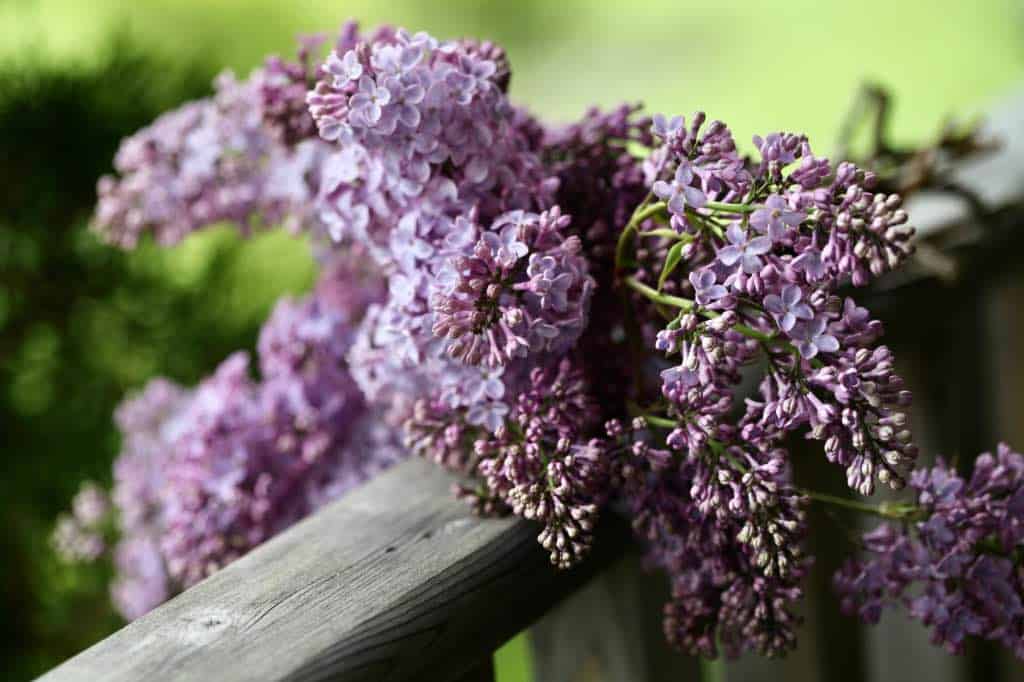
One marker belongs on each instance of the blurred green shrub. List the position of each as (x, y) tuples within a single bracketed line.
[(81, 323)]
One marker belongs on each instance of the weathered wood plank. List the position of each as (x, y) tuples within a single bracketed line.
[(396, 581)]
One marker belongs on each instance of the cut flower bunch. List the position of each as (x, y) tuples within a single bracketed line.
[(564, 316)]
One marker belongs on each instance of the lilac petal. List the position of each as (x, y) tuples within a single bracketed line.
[(409, 115), (677, 204), (684, 174), (715, 292), (792, 218), (751, 264), (790, 295), (808, 350), (787, 321), (662, 189), (679, 375), (759, 245), (774, 304), (802, 311), (735, 234), (776, 231), (729, 255), (694, 197), (759, 220), (827, 343), (703, 279)]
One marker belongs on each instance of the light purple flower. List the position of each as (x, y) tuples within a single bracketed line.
[(667, 128), (741, 249), (811, 337), (549, 281), (405, 97), (811, 264), (775, 218), (788, 308), (345, 69), (680, 193), (490, 415), (505, 245), (679, 375), (705, 288), (367, 104)]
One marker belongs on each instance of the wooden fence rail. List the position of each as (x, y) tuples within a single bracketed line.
[(399, 581), (396, 581)]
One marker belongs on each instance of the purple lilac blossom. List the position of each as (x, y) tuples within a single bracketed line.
[(491, 327), (207, 474), (952, 566), (210, 161)]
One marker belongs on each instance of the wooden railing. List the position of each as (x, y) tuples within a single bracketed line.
[(399, 581)]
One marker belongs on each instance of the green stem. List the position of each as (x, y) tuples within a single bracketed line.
[(884, 510), (688, 305), (667, 234), (642, 213), (712, 669), (730, 208), (656, 296), (662, 422)]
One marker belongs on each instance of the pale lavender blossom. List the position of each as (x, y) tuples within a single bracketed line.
[(706, 290), (744, 250), (775, 218), (812, 337), (788, 307), (681, 192)]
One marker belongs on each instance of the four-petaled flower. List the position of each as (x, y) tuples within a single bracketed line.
[(680, 193), (549, 282), (788, 308), (812, 337), (345, 69), (705, 288), (811, 264), (667, 128), (743, 250), (505, 245), (775, 217), (367, 104), (488, 414), (404, 98)]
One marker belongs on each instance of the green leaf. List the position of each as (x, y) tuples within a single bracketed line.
[(671, 261)]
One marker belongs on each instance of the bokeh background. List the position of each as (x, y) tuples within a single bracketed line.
[(81, 323)]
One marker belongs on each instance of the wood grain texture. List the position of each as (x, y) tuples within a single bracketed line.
[(396, 581)]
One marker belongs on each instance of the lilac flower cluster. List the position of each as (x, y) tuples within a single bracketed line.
[(954, 564), (509, 288), (727, 530), (79, 536), (766, 246), (212, 160), (207, 474)]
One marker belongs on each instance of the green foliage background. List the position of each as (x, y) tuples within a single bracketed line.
[(81, 323)]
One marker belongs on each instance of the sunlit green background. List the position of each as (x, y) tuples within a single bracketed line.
[(79, 324)]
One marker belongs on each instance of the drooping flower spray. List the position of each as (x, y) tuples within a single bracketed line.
[(565, 315)]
